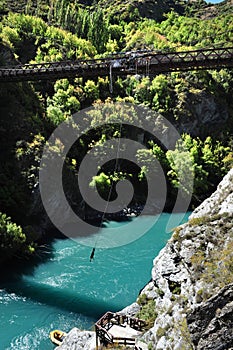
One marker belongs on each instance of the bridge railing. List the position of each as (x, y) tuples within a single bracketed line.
[(187, 56), (109, 319), (127, 63)]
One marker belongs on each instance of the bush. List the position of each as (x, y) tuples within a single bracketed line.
[(12, 238), (148, 312)]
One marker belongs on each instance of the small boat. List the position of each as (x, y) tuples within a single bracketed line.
[(57, 336)]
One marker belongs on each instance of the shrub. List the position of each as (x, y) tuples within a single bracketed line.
[(148, 313), (160, 332), (174, 287), (12, 238), (142, 299)]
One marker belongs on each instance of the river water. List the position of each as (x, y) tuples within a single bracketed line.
[(62, 289)]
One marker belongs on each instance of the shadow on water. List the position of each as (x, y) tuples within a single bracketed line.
[(93, 227), (13, 279), (13, 269), (16, 267), (62, 299)]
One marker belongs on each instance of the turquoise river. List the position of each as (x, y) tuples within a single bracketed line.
[(62, 289)]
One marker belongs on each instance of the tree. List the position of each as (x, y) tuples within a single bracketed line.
[(162, 95), (12, 238), (103, 183), (98, 31), (182, 169), (63, 103)]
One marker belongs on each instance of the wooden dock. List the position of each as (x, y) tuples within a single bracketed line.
[(119, 329)]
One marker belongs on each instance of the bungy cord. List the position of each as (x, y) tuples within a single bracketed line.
[(109, 193)]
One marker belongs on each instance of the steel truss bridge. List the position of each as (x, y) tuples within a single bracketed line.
[(147, 63)]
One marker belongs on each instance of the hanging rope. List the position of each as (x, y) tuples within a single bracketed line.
[(147, 67), (109, 193), (110, 78)]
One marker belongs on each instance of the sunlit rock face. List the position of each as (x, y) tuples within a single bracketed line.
[(78, 340), (221, 200), (192, 279)]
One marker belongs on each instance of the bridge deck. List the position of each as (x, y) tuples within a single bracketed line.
[(130, 63)]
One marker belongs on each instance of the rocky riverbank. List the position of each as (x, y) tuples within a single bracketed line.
[(191, 290)]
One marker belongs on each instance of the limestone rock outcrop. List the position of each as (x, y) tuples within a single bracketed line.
[(221, 201), (78, 340), (192, 279)]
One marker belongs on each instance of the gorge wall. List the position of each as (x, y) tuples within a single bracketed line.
[(192, 279)]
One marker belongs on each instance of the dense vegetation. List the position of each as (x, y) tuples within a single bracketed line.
[(13, 239), (36, 31)]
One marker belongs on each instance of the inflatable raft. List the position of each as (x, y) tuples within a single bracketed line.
[(57, 336)]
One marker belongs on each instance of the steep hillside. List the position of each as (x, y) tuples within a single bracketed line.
[(127, 10), (192, 279), (209, 11), (19, 117), (122, 10), (141, 9)]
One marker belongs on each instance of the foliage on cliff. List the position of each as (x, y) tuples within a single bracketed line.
[(118, 10), (13, 240)]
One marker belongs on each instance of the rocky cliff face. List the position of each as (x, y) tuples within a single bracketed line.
[(206, 114), (191, 291), (192, 279), (211, 323)]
